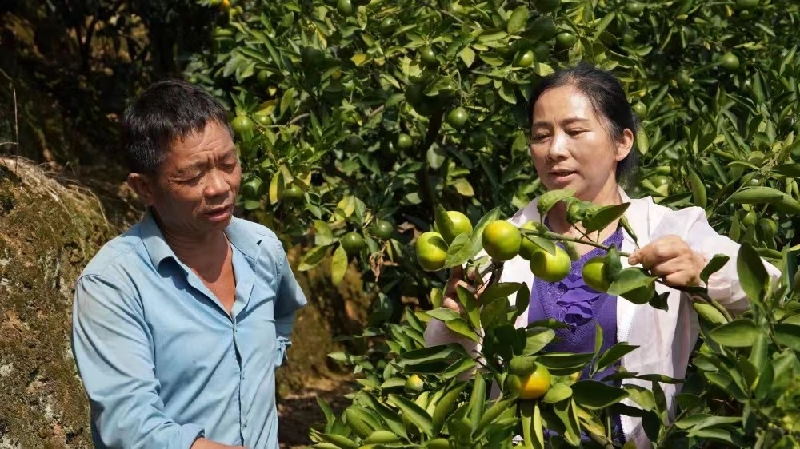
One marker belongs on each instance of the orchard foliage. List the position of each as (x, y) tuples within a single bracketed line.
[(356, 120)]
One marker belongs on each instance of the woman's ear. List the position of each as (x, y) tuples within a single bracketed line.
[(624, 145)]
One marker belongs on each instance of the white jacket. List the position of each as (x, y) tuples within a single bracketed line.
[(665, 338)]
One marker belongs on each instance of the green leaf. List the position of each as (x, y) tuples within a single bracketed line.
[(461, 327), (592, 394), (522, 300), (413, 413), (477, 400), (537, 339), (287, 101), (564, 411), (492, 311), (463, 187), (598, 337), (557, 393), (439, 353), (715, 264), (338, 265), (499, 290), (752, 275), (458, 367), (443, 314), (550, 198), (715, 434), (727, 384), (313, 258), (630, 279), (759, 355), (518, 19), (437, 297), (788, 335), (601, 218), (614, 353), (467, 55), (565, 363), (741, 333), (470, 305)]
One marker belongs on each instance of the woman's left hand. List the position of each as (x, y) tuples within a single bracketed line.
[(670, 258)]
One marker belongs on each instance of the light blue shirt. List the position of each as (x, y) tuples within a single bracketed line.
[(161, 360)]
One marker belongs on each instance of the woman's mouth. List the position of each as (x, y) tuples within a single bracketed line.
[(562, 176)]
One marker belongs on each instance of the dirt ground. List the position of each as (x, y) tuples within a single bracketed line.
[(298, 411)]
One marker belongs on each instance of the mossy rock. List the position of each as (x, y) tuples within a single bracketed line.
[(48, 232)]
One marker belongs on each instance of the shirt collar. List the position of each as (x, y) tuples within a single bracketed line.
[(158, 249)]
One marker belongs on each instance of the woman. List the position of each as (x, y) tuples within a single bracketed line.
[(582, 136)]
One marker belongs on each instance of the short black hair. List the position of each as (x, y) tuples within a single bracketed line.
[(167, 110), (608, 99)]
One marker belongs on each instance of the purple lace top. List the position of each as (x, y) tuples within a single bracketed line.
[(572, 302)]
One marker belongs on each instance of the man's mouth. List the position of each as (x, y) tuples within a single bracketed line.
[(220, 213)]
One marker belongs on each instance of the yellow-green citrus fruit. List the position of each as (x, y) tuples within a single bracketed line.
[(551, 267), (431, 251), (501, 240)]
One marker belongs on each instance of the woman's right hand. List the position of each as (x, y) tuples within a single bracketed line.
[(457, 279)]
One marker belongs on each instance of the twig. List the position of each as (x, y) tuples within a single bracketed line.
[(298, 118)]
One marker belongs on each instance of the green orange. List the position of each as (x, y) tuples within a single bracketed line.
[(431, 251), (551, 267), (593, 274), (353, 243), (501, 240)]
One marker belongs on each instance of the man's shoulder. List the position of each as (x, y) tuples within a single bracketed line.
[(120, 254)]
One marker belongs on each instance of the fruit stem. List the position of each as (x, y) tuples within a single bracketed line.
[(497, 272), (564, 238)]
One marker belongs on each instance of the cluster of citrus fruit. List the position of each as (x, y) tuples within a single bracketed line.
[(352, 242), (527, 379), (431, 246)]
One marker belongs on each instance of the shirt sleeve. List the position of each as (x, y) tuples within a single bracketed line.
[(290, 298), (114, 358), (723, 286)]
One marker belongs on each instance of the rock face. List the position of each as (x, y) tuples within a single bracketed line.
[(47, 234)]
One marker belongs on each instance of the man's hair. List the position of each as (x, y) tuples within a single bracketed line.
[(166, 111)]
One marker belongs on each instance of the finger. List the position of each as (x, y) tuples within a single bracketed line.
[(668, 267), (682, 278), (655, 253), (451, 304)]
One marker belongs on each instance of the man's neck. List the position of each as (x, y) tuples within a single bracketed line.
[(199, 252)]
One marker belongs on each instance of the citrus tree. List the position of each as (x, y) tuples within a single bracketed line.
[(414, 395), (355, 118), (360, 122)]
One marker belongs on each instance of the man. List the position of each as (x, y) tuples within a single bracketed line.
[(180, 322)]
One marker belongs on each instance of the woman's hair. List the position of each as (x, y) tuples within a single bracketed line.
[(608, 99)]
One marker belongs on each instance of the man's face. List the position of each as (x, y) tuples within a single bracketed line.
[(194, 190)]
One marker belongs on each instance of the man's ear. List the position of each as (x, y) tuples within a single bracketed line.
[(143, 186)]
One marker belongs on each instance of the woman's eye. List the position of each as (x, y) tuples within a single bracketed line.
[(575, 132), (539, 137)]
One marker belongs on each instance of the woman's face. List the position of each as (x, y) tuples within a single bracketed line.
[(571, 147)]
